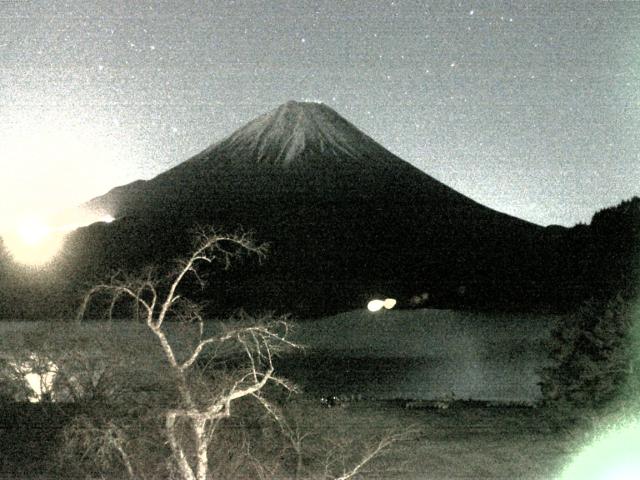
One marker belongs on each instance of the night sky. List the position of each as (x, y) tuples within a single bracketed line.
[(531, 108)]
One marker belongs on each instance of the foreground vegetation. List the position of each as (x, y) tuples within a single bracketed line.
[(464, 441), (179, 401)]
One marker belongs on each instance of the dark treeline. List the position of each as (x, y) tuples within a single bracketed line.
[(602, 259)]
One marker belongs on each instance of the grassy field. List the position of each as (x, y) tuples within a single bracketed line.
[(461, 442), (464, 441), (421, 354)]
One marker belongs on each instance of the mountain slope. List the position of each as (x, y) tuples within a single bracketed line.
[(345, 217), (298, 147)]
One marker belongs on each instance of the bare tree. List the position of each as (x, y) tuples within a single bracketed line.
[(158, 301), (242, 353)]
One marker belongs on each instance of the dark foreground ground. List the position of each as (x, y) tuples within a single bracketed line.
[(463, 441)]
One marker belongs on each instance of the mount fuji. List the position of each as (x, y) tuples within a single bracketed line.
[(304, 148), (346, 219)]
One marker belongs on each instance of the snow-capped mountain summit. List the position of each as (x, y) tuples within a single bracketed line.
[(295, 131)]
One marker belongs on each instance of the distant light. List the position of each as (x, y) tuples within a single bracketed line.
[(377, 304), (35, 240)]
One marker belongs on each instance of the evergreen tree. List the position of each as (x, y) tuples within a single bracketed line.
[(591, 355)]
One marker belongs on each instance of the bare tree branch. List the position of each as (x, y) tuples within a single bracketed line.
[(196, 353), (258, 342), (377, 449)]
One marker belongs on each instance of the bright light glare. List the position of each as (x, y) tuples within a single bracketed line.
[(614, 456), (39, 375), (389, 303), (375, 305), (51, 161), (33, 242), (33, 231)]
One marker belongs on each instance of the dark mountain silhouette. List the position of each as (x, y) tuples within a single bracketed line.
[(301, 149), (345, 217), (346, 220)]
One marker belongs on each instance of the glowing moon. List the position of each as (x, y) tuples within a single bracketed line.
[(52, 162), (33, 231), (33, 242)]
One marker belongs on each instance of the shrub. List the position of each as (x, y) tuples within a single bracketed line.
[(591, 353)]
